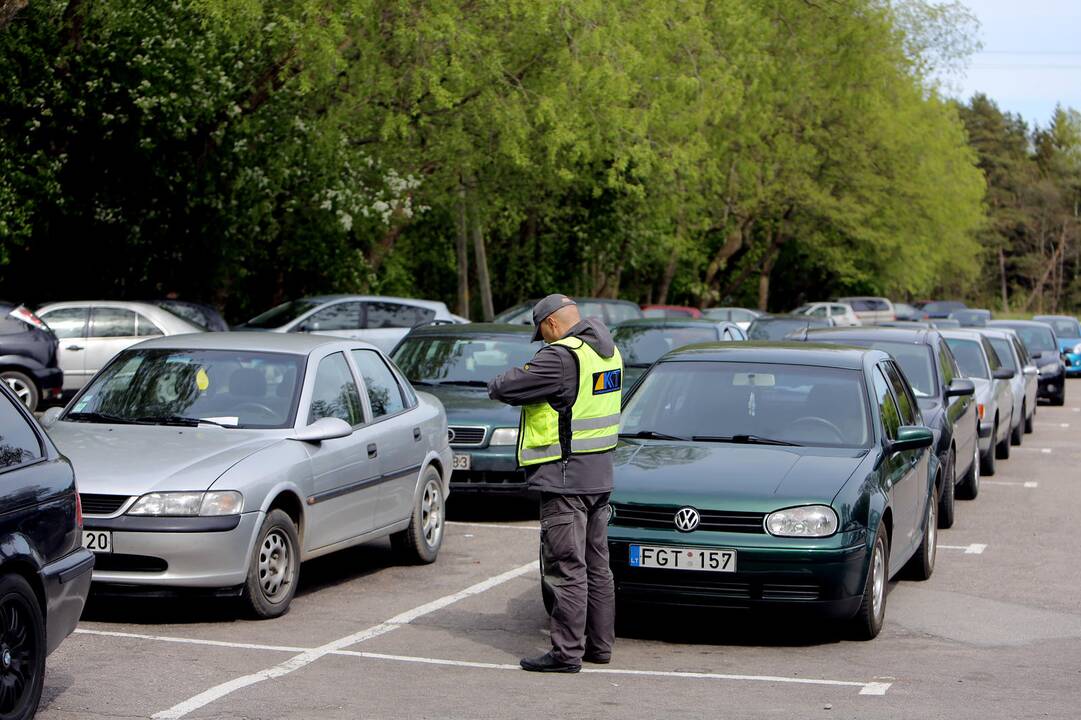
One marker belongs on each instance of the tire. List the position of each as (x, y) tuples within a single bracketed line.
[(969, 487), (23, 387), (22, 637), (1017, 435), (867, 622), (1028, 422), (949, 480), (922, 565), (987, 460), (1002, 449), (420, 542), (274, 568)]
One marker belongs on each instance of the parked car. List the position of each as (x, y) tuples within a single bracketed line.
[(1013, 355), (199, 314), (842, 315), (740, 316), (779, 327), (642, 342), (28, 356), (904, 311), (971, 317), (1042, 345), (944, 398), (611, 312), (811, 489), (268, 450), (670, 311), (870, 309), (381, 321), (92, 332), (980, 363), (1068, 332), (936, 309), (946, 324), (44, 569)]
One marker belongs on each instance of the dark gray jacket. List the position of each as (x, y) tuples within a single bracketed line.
[(552, 377)]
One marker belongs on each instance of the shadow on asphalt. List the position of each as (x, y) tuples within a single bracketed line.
[(489, 508)]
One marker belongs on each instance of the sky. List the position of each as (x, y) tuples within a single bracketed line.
[(1031, 56)]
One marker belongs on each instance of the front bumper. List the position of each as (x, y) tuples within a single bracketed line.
[(493, 469), (1050, 387), (67, 582), (50, 382), (770, 575), (176, 552)]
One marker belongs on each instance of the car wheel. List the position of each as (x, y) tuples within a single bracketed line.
[(969, 487), (1002, 450), (274, 567), (22, 648), (868, 619), (420, 542), (949, 479), (922, 564), (1017, 435), (1028, 421), (24, 388), (987, 460)]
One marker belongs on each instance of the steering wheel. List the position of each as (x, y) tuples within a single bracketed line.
[(256, 406), (824, 423)]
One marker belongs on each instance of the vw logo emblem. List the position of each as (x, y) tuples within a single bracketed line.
[(687, 519), (450, 435)]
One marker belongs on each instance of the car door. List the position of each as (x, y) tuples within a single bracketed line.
[(898, 471), (1028, 369), (341, 319), (70, 326), (398, 435), (112, 329), (387, 322), (1002, 391), (345, 471), (961, 411)]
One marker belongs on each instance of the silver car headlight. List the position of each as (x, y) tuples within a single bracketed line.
[(805, 521), (189, 504), (504, 436)]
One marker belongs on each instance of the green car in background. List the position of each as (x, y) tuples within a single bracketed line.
[(455, 363), (759, 475)]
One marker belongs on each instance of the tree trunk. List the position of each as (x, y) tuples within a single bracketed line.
[(763, 276), (462, 248), (666, 279), (1002, 276), (481, 257), (732, 243)]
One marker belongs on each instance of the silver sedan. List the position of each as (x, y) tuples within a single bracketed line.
[(221, 461)]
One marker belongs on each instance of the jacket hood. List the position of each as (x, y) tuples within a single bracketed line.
[(596, 335), (137, 459)]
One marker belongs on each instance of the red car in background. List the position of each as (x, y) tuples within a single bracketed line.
[(670, 311)]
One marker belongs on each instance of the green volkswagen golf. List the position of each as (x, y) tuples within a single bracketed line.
[(768, 476)]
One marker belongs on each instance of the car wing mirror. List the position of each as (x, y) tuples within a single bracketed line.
[(912, 437), (50, 416), (960, 387), (1031, 370), (328, 428), (1003, 374)]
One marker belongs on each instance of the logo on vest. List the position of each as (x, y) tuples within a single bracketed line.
[(607, 381)]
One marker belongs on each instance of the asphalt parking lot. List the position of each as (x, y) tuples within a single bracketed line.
[(996, 632)]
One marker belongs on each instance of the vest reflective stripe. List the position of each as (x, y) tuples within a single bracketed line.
[(594, 416)]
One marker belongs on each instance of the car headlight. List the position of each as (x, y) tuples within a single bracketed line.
[(1076, 349), (504, 436), (189, 504), (805, 521), (1049, 369)]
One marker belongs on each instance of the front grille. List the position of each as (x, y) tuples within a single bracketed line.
[(663, 518), (94, 504), (488, 479), (115, 562), (465, 436)]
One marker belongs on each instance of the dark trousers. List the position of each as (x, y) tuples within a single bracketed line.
[(574, 551)]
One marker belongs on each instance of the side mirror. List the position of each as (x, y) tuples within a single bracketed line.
[(50, 416), (1031, 370), (960, 387), (328, 428), (1003, 374), (912, 437)]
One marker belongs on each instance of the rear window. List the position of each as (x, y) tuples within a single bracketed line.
[(644, 345), (620, 312), (915, 360)]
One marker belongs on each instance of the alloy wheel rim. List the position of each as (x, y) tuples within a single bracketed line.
[(18, 649), (431, 514), (21, 390), (878, 581), (275, 565)]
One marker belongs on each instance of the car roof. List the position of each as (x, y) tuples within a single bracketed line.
[(916, 335), (797, 353), (997, 332), (1017, 323), (961, 333), (473, 329), (433, 304), (294, 343), (1054, 317), (670, 322)]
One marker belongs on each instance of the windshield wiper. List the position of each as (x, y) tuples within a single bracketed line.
[(101, 417), (743, 440), (466, 383), (179, 420), (650, 435)]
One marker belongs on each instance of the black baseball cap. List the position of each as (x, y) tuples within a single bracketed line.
[(545, 307)]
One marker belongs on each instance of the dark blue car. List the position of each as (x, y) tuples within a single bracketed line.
[(28, 356)]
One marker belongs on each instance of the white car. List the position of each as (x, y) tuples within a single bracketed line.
[(841, 314), (740, 316), (379, 320), (1011, 351), (871, 309), (92, 332)]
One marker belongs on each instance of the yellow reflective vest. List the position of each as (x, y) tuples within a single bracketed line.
[(594, 421)]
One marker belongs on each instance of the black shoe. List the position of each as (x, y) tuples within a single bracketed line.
[(547, 663), (597, 658)]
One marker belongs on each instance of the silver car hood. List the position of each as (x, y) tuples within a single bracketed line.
[(137, 459)]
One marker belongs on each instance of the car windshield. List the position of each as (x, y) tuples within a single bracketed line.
[(282, 314), (942, 307), (186, 312), (518, 315), (971, 318), (643, 344), (1036, 339), (774, 329), (620, 312), (178, 387), (1004, 351), (969, 357), (1064, 327), (751, 402), (915, 361), (462, 360)]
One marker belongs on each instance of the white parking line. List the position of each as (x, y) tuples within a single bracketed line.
[(306, 657), (973, 549), (191, 641), (1045, 451), (1027, 483), (534, 528), (1052, 424)]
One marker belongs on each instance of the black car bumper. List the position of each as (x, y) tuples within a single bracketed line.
[(67, 582), (492, 470), (50, 382), (1051, 387)]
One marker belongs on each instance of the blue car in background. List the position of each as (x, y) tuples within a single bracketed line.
[(1068, 332)]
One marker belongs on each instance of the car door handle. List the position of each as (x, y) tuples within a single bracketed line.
[(372, 450), (416, 433), (74, 347)]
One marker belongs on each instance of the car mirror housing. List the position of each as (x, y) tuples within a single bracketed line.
[(1003, 374), (960, 387), (328, 428), (1031, 370), (912, 437), (50, 416)]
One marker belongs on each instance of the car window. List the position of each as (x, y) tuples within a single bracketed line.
[(67, 322), (774, 329), (906, 404), (969, 357), (106, 322), (993, 360), (619, 312), (1021, 351), (1064, 327), (946, 364), (468, 360), (396, 315), (283, 314), (861, 305), (643, 344), (594, 310), (915, 359), (1004, 351), (145, 328), (839, 309), (384, 392), (887, 407), (12, 326), (819, 311), (18, 442), (339, 316), (335, 392)]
